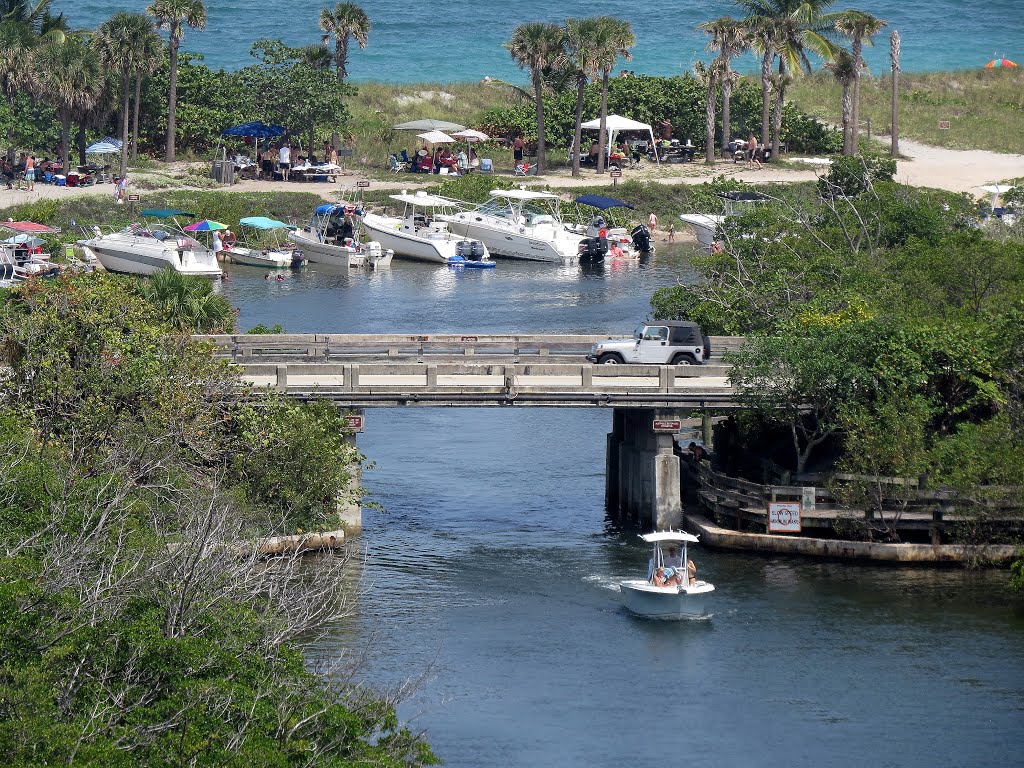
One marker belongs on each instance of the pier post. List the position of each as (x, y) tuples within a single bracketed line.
[(642, 469), (706, 430), (350, 508)]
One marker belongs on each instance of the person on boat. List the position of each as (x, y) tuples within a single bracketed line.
[(667, 577), (691, 572), (228, 240), (218, 245), (673, 558)]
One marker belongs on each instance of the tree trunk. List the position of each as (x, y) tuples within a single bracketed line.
[(726, 113), (135, 116), (766, 91), (538, 95), (577, 140), (343, 58), (172, 96), (80, 143), (340, 54), (602, 139), (65, 140), (847, 116), (780, 98), (709, 121), (857, 51), (125, 83), (894, 53)]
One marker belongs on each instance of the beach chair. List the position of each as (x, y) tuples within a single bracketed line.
[(486, 165), (525, 169), (394, 164)]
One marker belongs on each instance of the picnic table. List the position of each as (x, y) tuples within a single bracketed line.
[(308, 172)]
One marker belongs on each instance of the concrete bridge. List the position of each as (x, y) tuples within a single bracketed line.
[(649, 403)]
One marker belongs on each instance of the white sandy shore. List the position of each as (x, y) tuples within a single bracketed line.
[(925, 166)]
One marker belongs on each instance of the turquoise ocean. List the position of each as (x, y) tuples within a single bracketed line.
[(460, 40)]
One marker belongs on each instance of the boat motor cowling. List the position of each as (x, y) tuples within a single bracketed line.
[(641, 238), (593, 248), (472, 250)]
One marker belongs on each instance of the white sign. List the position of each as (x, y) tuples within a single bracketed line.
[(784, 517), (807, 498)]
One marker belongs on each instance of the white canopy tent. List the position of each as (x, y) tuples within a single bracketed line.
[(615, 124)]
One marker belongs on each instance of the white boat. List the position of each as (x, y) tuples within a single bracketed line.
[(519, 224), (11, 275), (141, 249), (274, 255), (706, 225), (422, 233), (681, 596), (631, 244), (330, 238)]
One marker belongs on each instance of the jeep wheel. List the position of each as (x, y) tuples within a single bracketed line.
[(610, 359), (684, 358)]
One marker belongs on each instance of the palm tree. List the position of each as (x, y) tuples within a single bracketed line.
[(148, 50), (710, 77), (730, 38), (859, 27), (614, 40), (67, 75), (538, 47), (188, 302), (347, 20), (894, 57), (581, 36), (787, 29), (174, 16), (125, 44), (842, 70)]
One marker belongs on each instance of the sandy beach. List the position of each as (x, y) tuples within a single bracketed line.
[(923, 166)]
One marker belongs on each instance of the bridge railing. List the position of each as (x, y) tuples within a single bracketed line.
[(339, 347)]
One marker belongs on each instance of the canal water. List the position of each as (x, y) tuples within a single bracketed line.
[(491, 570)]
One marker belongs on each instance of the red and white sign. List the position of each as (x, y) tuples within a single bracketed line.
[(667, 425), (784, 517), (355, 423), (943, 125)]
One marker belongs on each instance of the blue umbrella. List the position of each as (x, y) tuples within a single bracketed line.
[(105, 146), (255, 130)]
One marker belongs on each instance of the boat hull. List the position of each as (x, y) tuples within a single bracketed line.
[(673, 603), (119, 258), (267, 260), (435, 250), (513, 241), (325, 253), (704, 226)]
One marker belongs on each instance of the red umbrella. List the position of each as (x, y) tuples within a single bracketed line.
[(29, 227)]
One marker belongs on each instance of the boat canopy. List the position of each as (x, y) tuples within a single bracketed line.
[(329, 208), (744, 197), (599, 201), (262, 222), (424, 200), (28, 227), (166, 213), (522, 194), (659, 536)]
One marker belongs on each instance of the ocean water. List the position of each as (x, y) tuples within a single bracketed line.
[(461, 40)]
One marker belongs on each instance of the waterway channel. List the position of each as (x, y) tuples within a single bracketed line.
[(490, 565)]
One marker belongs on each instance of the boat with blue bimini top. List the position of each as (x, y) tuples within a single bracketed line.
[(671, 589), (331, 237), (274, 254)]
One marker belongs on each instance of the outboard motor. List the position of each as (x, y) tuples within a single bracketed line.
[(641, 238), (596, 225), (593, 248), (374, 251), (471, 250)]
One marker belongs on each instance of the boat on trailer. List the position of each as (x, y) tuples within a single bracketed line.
[(671, 589)]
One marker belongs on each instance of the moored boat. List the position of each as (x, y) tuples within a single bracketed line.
[(274, 255), (421, 233), (671, 589), (330, 238), (706, 225)]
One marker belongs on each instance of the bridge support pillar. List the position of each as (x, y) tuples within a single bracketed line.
[(642, 470), (350, 508)]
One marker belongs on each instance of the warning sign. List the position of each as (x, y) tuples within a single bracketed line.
[(355, 423), (784, 517), (943, 125)]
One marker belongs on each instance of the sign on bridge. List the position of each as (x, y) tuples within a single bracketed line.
[(667, 425), (355, 423)]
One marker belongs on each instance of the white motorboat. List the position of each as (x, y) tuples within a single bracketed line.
[(671, 589), (519, 224), (622, 242), (706, 225), (274, 255), (140, 249), (422, 232), (330, 238)]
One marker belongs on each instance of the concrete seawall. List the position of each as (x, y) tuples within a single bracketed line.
[(925, 554)]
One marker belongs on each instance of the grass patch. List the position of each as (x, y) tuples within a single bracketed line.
[(985, 107)]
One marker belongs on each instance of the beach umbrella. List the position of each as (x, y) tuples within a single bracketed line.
[(471, 135), (254, 130), (206, 225), (436, 137), (428, 125), (105, 146), (996, 190), (1000, 63)]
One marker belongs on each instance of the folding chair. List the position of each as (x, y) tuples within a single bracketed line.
[(486, 165), (394, 164)]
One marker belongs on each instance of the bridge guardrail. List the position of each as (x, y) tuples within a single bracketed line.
[(327, 347)]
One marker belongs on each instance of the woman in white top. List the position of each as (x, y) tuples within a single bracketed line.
[(284, 160)]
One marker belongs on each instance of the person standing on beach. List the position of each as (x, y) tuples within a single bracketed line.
[(753, 149), (30, 172), (518, 145), (652, 222), (284, 160), (672, 232)]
